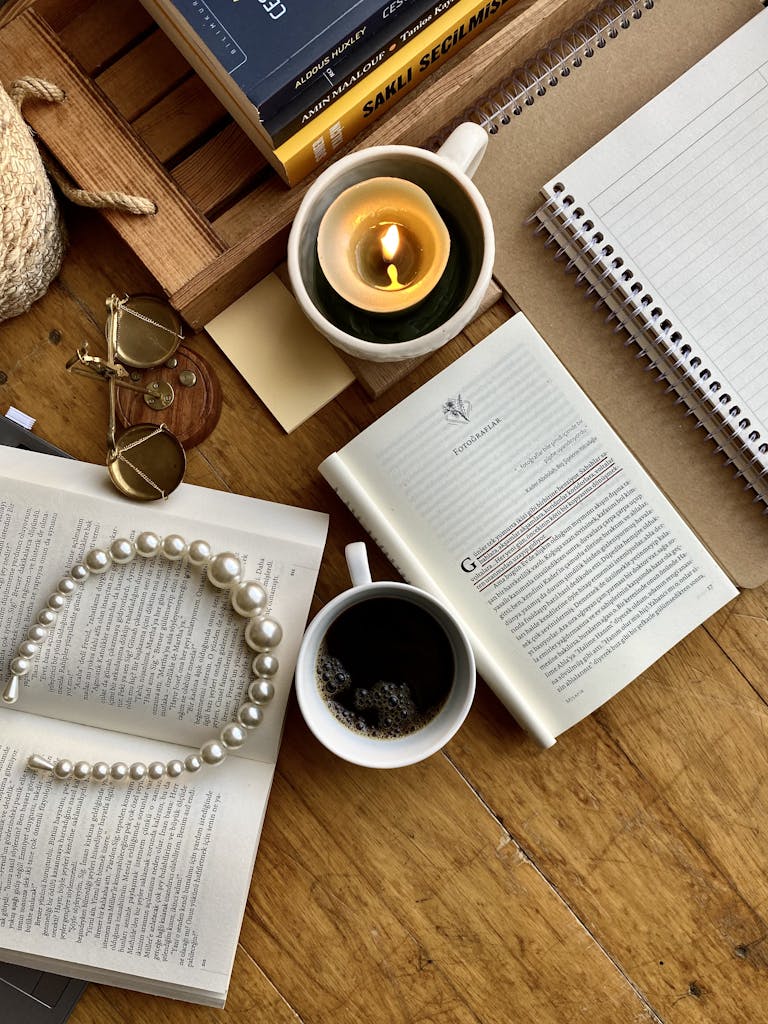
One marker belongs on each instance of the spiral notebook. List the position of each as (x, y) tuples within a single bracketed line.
[(635, 207), (666, 221)]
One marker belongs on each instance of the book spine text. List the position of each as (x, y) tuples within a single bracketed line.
[(368, 100), (351, 70), (356, 42)]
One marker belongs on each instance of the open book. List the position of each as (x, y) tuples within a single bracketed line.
[(498, 487), (141, 885)]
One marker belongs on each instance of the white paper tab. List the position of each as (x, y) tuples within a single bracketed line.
[(21, 418)]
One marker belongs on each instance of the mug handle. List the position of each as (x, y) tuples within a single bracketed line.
[(465, 147), (357, 563)]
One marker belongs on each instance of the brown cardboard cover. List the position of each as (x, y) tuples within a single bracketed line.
[(545, 138)]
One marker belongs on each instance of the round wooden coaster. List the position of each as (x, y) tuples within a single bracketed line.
[(196, 407)]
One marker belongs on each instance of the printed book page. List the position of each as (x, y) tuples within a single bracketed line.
[(679, 192), (500, 486), (151, 648), (143, 886)]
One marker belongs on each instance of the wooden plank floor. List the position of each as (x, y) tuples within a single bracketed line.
[(620, 877)]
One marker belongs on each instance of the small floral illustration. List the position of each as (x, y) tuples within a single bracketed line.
[(457, 410)]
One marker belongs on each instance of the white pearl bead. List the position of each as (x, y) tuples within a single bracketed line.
[(56, 602), (39, 763), (233, 735), (265, 665), (119, 771), (137, 771), (82, 771), (261, 691), (47, 617), (193, 762), (147, 544), (28, 649), (199, 552), (224, 570), (63, 769), (249, 715), (263, 634), (173, 547), (213, 752), (156, 770), (11, 691), (66, 586), (98, 561), (122, 550), (79, 572), (174, 769), (248, 598), (37, 633), (20, 666), (100, 771)]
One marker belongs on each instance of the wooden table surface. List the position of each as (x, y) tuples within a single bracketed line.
[(620, 877)]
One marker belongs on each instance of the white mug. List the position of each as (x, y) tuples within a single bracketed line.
[(341, 739), (446, 177)]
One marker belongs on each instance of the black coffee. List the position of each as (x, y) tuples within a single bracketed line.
[(385, 667)]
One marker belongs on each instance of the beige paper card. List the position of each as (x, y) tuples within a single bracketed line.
[(290, 366)]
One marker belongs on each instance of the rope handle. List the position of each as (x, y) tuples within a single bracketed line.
[(38, 88)]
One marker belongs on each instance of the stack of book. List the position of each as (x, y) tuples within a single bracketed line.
[(303, 78)]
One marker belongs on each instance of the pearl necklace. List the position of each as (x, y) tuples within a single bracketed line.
[(248, 599)]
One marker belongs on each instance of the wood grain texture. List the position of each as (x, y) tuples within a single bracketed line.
[(101, 32), (12, 9), (87, 137), (637, 818), (618, 878), (218, 171), (195, 410), (144, 75), (59, 14), (741, 630), (434, 930), (176, 121)]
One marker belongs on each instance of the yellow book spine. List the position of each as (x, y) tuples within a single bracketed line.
[(374, 95)]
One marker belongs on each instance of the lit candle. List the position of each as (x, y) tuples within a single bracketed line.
[(382, 245)]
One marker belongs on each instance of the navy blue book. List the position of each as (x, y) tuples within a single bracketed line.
[(340, 75), (270, 49)]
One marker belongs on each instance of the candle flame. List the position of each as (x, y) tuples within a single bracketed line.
[(390, 242)]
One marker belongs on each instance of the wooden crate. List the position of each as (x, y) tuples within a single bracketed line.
[(137, 119)]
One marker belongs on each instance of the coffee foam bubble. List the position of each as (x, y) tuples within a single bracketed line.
[(386, 710)]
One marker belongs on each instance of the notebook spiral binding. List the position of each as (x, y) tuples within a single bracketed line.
[(557, 60), (667, 351)]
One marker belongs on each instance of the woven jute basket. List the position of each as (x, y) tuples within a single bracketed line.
[(31, 230), (32, 238)]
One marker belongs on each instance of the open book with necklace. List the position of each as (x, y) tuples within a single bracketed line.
[(138, 880)]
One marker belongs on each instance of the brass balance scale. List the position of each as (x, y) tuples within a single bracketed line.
[(147, 460)]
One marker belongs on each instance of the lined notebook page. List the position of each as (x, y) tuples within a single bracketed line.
[(680, 190)]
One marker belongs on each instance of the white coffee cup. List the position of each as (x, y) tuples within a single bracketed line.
[(344, 741), (446, 177)]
